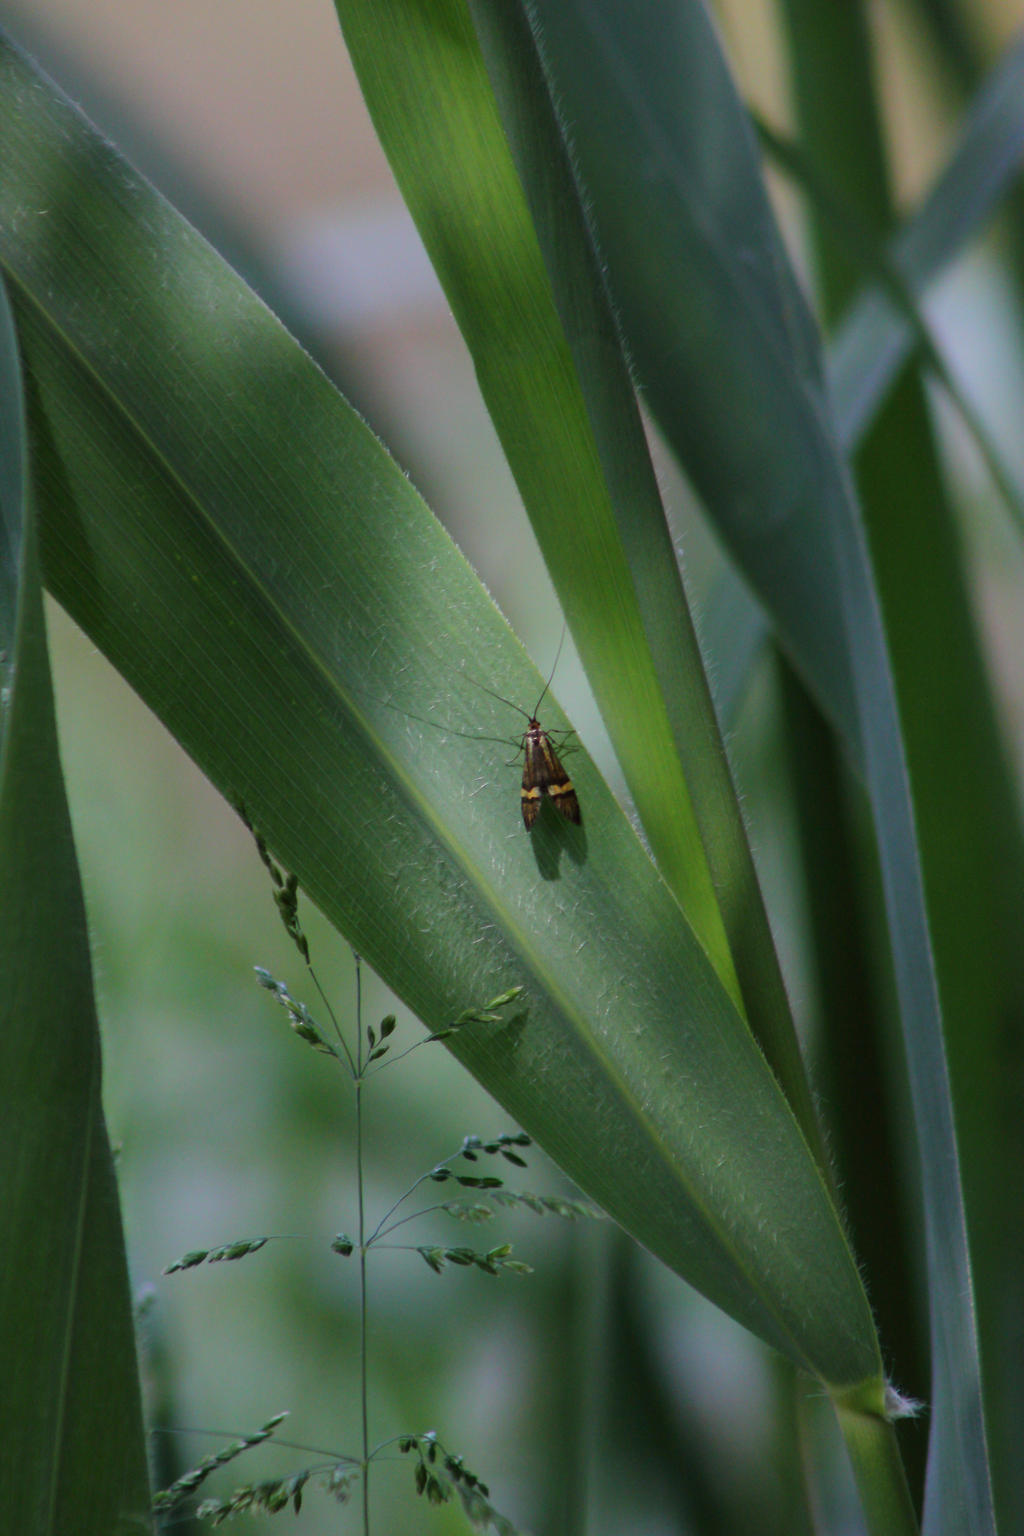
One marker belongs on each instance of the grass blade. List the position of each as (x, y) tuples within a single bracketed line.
[(74, 1453), (698, 272)]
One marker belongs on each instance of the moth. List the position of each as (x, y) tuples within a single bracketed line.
[(543, 773)]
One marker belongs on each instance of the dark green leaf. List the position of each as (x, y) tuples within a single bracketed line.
[(73, 1447)]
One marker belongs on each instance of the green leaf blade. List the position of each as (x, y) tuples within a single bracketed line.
[(423, 76), (954, 753), (875, 339), (74, 1452), (548, 356), (730, 364)]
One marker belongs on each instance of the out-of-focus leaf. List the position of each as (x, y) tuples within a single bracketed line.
[(965, 807), (732, 370), (73, 1448), (880, 331), (875, 338)]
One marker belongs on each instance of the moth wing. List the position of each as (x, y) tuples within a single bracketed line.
[(534, 770), (560, 791), (543, 774), (563, 798)]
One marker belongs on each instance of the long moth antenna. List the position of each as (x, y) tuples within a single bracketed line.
[(449, 730), (499, 696), (551, 674), (518, 707)]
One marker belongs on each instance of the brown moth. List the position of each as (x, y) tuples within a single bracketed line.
[(543, 774)]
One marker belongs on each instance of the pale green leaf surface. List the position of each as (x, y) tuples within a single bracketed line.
[(244, 550), (73, 1455), (720, 340), (550, 365), (422, 74)]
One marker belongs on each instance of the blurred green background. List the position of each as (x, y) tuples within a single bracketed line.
[(248, 117)]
